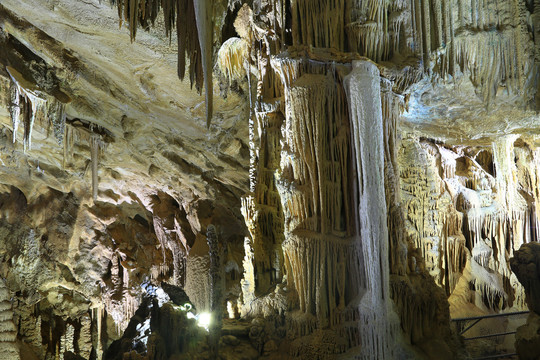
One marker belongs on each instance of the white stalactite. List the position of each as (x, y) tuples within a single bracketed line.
[(31, 105), (15, 108)]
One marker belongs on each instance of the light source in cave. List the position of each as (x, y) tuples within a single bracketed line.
[(204, 320)]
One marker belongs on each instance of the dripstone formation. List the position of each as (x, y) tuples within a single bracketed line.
[(338, 179)]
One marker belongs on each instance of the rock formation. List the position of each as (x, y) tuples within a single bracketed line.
[(356, 174), (525, 265)]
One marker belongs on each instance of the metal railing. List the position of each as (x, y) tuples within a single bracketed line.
[(476, 319)]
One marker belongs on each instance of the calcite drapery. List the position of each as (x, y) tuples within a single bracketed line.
[(378, 325)]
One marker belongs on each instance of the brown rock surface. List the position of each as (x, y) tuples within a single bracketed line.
[(526, 265), (368, 172)]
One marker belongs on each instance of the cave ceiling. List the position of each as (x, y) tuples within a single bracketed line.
[(152, 126)]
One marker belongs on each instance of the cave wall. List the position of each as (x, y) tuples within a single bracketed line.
[(77, 270), (469, 208), (369, 168)]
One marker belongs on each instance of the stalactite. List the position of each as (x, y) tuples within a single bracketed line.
[(319, 23), (68, 146), (204, 17), (15, 108), (232, 57), (57, 117), (487, 43), (188, 44), (29, 102), (193, 22)]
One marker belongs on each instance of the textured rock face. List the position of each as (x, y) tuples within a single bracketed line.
[(525, 266), (527, 338), (463, 204), (368, 170)]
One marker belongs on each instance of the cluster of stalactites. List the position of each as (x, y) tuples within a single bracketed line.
[(487, 41), (318, 23), (119, 299), (299, 194), (30, 105), (317, 137), (194, 29), (262, 209), (377, 29), (326, 274), (477, 219), (27, 105)]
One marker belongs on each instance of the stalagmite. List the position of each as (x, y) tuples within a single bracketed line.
[(378, 326), (216, 289), (97, 317), (8, 332)]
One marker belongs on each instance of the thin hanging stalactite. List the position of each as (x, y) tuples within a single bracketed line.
[(203, 16), (193, 22)]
